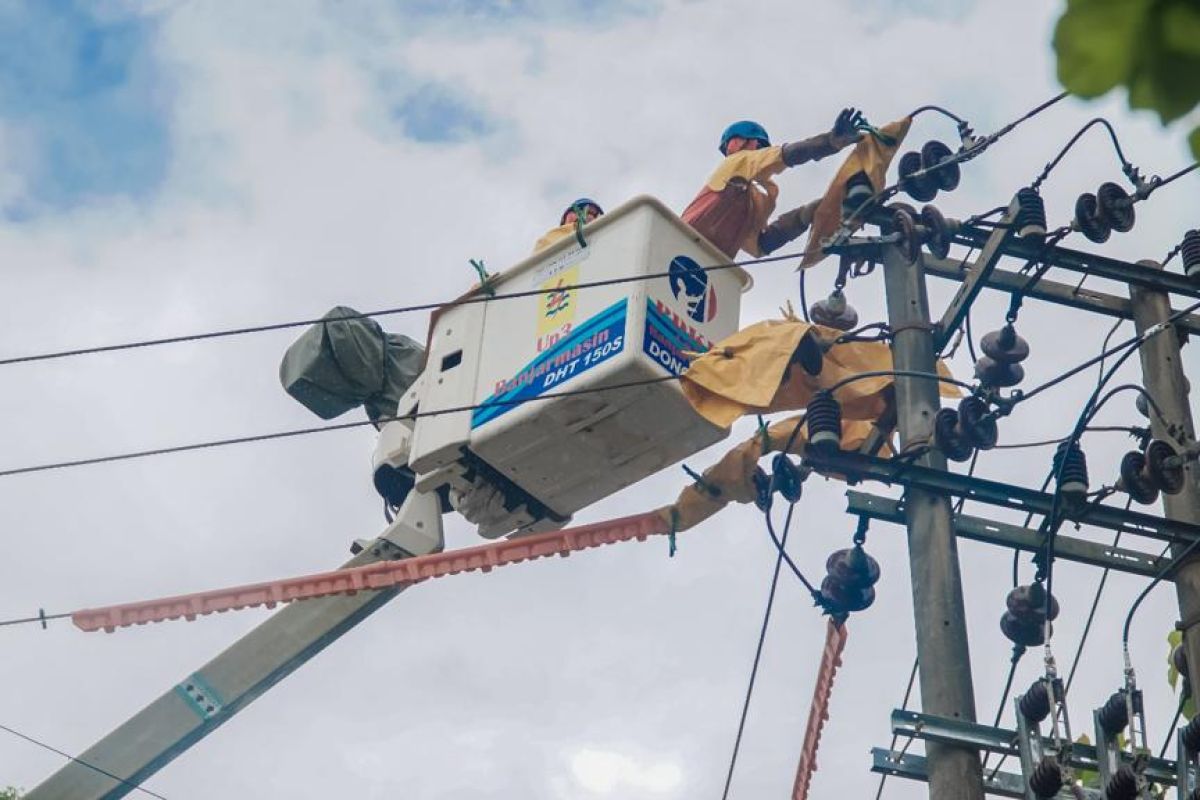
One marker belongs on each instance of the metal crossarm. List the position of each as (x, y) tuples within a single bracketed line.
[(857, 467), (1001, 533)]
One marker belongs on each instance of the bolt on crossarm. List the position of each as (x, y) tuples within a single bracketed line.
[(1164, 380), (941, 631)]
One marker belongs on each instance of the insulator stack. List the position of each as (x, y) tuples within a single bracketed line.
[(1030, 220), (858, 191), (1024, 621), (1070, 468), (1034, 705), (1115, 207), (763, 493), (1047, 778), (942, 172), (1114, 714), (1145, 474), (1190, 250), (850, 579), (922, 188), (958, 433), (928, 228), (1088, 220), (1123, 785), (834, 312), (824, 421), (789, 482), (1191, 735), (1003, 352)]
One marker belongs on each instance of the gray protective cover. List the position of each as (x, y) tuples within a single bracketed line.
[(347, 360)]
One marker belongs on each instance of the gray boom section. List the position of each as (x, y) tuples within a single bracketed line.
[(204, 700)]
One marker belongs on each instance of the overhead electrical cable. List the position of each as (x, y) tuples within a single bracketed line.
[(470, 300), (81, 762)]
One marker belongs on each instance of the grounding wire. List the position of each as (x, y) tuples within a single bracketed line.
[(762, 637), (469, 300), (80, 761)]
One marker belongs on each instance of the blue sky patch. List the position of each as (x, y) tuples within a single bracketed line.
[(81, 96), (435, 113)]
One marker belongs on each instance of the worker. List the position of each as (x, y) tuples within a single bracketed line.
[(732, 209), (586, 206)]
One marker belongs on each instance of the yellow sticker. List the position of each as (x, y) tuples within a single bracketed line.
[(557, 306)]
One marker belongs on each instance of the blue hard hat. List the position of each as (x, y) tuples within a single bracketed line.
[(747, 129), (582, 202)]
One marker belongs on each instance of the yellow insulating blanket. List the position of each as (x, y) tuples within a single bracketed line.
[(870, 156), (733, 475), (751, 372)]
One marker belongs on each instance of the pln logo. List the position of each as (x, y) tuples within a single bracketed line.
[(689, 284)]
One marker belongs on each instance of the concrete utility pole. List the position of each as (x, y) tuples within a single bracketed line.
[(941, 628), (1163, 378)]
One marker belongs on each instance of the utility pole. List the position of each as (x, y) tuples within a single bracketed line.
[(941, 629), (1163, 378)]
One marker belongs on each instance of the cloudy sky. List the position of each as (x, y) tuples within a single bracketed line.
[(169, 168)]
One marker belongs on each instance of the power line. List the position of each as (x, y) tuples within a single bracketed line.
[(762, 637), (277, 326), (30, 739), (263, 437)]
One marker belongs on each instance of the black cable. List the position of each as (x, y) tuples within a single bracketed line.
[(779, 546), (1125, 165), (1134, 340), (940, 110), (70, 757), (1017, 652), (970, 337), (912, 677), (478, 298), (804, 297), (762, 637), (1175, 561), (42, 618), (900, 373), (321, 428), (1087, 627), (1183, 698)]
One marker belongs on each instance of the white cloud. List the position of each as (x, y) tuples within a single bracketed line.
[(287, 199)]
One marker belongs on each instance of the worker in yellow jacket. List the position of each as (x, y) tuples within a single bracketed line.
[(733, 208), (586, 206)]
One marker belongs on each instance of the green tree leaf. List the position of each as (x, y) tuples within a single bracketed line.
[(1097, 42), (1181, 29), (1174, 639), (1194, 141)]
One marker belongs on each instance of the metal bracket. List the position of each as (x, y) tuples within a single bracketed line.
[(857, 467), (975, 280), (1018, 538), (1087, 263), (1002, 741)]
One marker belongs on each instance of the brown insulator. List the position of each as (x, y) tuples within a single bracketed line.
[(1087, 219), (1005, 345), (1164, 466), (921, 188), (834, 312), (946, 177), (1134, 480), (996, 374), (1115, 207), (1123, 785), (1046, 779), (937, 231), (853, 567)]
